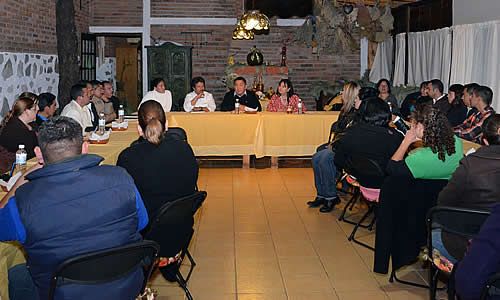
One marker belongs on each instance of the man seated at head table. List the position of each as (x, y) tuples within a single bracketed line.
[(57, 211), (247, 99), (199, 99)]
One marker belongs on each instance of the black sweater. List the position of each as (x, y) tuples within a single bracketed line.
[(249, 99), (161, 173), (16, 133)]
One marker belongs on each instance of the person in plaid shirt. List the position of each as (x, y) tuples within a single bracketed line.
[(471, 129)]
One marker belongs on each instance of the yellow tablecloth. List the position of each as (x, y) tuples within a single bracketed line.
[(11, 255)]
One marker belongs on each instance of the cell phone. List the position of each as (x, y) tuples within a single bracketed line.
[(400, 124)]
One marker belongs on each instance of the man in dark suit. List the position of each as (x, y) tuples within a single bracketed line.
[(439, 100), (247, 99)]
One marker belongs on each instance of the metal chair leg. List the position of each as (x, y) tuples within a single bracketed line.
[(394, 277), (183, 284), (353, 233), (349, 205)]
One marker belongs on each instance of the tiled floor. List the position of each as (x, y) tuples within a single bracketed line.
[(256, 239)]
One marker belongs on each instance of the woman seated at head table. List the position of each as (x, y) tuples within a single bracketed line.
[(440, 153), (285, 98), (163, 166), (15, 128)]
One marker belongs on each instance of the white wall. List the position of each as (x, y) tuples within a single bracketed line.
[(475, 11)]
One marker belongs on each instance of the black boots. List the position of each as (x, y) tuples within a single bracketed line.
[(329, 205), (317, 202)]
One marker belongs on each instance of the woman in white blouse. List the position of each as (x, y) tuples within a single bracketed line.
[(160, 94), (198, 99)]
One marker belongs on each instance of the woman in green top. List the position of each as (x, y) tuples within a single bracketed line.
[(441, 151)]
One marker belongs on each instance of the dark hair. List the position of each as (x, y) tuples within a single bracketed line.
[(240, 78), (375, 112), (155, 82), (77, 91), (20, 105), (83, 82), (152, 120), (485, 93), (386, 81), (458, 89), (288, 83), (424, 84), (438, 134), (196, 80), (437, 84), (471, 87), (490, 129), (60, 138), (95, 83), (45, 100), (106, 82), (367, 92)]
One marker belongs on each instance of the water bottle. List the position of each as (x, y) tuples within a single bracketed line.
[(299, 107), (237, 106), (21, 157), (102, 124), (390, 105), (121, 114)]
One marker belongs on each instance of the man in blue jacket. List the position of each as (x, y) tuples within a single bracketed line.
[(70, 205)]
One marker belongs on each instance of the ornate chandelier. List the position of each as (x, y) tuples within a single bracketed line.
[(249, 23)]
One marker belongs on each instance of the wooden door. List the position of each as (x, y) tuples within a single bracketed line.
[(127, 77)]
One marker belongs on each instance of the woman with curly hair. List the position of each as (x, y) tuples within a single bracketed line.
[(441, 150)]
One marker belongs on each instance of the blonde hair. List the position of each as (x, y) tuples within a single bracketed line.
[(351, 91), (20, 105), (152, 121)]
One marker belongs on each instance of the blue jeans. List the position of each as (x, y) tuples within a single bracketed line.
[(21, 286), (437, 243), (325, 174)]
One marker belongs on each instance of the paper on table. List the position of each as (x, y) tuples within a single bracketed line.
[(116, 124), (96, 137), (8, 185), (471, 150)]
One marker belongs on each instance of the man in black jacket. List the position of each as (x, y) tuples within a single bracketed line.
[(439, 100), (247, 99)]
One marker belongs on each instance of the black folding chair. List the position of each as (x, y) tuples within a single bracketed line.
[(172, 228), (460, 225), (369, 175), (106, 265), (492, 288)]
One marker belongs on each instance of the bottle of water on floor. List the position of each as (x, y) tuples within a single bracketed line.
[(21, 157), (121, 114), (102, 124)]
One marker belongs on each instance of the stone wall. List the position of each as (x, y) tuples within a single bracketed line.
[(19, 73)]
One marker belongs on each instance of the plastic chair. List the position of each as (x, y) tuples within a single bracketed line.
[(172, 229), (106, 265), (459, 223)]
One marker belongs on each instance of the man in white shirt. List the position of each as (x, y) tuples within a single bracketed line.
[(77, 109), (160, 94), (199, 99)]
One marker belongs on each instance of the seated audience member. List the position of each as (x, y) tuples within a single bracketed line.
[(284, 98), (15, 128), (78, 108), (47, 106), (171, 167), (29, 95), (412, 100), (468, 93), (384, 89), (481, 261), (71, 218), (471, 129), (435, 90), (325, 171), (473, 185), (247, 99), (440, 153), (199, 99), (159, 94), (98, 105), (111, 103), (458, 111)]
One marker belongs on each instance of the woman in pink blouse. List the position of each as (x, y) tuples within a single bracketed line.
[(284, 98)]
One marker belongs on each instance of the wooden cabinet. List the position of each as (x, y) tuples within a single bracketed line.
[(172, 63)]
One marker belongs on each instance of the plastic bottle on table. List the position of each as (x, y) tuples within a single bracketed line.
[(237, 106), (299, 107), (121, 114), (102, 124), (21, 157)]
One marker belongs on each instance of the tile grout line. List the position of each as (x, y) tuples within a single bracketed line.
[(234, 237), (310, 240)]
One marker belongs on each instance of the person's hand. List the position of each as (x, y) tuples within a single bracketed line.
[(411, 136), (242, 107), (205, 109)]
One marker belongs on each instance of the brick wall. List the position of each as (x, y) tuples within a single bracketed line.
[(29, 26), (195, 8), (116, 13)]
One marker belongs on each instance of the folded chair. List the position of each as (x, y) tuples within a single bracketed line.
[(459, 225), (368, 177), (106, 266), (172, 229)]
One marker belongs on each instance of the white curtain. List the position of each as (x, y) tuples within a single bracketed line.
[(476, 56), (399, 67), (382, 64), (429, 56)]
